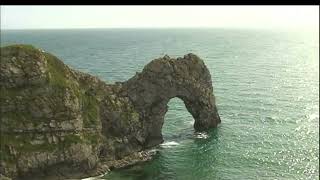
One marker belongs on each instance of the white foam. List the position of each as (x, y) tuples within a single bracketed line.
[(169, 144), (201, 135), (153, 151), (90, 178), (99, 177), (94, 178)]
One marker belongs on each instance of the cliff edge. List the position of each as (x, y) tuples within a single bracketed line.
[(57, 122)]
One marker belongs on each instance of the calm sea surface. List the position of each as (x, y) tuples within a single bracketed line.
[(266, 85)]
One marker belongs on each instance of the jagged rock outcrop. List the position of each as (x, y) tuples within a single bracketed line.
[(58, 122)]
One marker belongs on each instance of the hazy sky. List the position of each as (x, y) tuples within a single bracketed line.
[(43, 17)]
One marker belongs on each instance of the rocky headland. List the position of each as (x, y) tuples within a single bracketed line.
[(59, 123)]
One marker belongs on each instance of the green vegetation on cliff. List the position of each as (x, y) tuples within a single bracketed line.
[(57, 71), (44, 109)]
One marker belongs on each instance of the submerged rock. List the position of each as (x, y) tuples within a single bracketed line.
[(59, 122)]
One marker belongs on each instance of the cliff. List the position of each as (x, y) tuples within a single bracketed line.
[(59, 122)]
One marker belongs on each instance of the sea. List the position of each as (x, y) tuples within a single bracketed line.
[(266, 84)]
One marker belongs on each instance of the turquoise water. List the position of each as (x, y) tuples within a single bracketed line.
[(266, 85)]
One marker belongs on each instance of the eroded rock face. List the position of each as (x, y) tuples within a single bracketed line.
[(59, 122)]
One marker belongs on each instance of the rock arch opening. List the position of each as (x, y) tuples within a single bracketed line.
[(176, 120)]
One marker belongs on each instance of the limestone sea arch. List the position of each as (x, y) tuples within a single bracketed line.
[(164, 78), (56, 121)]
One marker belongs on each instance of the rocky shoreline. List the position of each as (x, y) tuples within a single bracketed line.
[(57, 122), (101, 169)]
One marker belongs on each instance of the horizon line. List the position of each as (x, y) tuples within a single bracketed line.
[(185, 27)]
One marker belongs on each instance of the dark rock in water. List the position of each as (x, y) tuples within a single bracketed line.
[(59, 122)]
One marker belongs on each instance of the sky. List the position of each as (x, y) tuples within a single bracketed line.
[(64, 17)]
